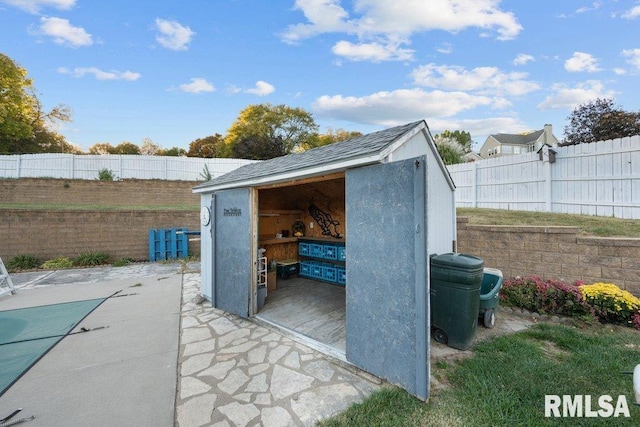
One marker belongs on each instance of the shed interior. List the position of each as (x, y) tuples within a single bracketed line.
[(305, 303)]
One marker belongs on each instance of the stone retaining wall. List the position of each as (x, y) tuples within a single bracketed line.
[(47, 234), (554, 253)]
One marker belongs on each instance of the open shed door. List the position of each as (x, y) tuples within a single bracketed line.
[(232, 250), (387, 328)]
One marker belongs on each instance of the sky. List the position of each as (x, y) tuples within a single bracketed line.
[(174, 71)]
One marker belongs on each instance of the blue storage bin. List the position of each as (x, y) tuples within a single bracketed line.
[(329, 273), (342, 276), (303, 249), (316, 250), (330, 252), (317, 270), (305, 268), (342, 253)]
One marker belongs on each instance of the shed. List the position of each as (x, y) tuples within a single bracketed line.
[(385, 200)]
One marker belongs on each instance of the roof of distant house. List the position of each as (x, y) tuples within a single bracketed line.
[(517, 139)]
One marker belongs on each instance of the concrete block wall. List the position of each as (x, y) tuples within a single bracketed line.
[(128, 192), (47, 234), (553, 253)]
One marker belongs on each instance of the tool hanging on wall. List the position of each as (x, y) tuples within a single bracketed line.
[(325, 221)]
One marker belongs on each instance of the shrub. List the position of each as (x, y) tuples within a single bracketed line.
[(89, 259), (545, 297), (121, 262), (23, 262), (59, 262), (105, 174), (612, 304)]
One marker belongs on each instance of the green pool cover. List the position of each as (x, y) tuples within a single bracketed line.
[(27, 334)]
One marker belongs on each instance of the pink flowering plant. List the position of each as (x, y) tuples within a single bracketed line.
[(546, 297)]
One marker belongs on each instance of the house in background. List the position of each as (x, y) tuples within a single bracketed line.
[(506, 144)]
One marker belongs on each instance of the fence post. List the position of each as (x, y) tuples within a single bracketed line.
[(18, 165), (474, 185), (547, 186)]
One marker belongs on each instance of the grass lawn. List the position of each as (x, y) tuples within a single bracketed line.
[(588, 225), (505, 382)]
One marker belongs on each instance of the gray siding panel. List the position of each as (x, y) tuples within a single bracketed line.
[(233, 270), (386, 324)]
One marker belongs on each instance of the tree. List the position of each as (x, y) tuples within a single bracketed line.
[(149, 148), (600, 120), (271, 125), (24, 125), (258, 148), (101, 148), (330, 137), (449, 149), (173, 152), (207, 147), (461, 137), (125, 148)]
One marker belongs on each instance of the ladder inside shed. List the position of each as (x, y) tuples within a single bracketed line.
[(6, 285)]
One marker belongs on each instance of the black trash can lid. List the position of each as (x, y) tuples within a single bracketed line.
[(463, 261)]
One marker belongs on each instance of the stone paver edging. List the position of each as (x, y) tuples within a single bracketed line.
[(233, 372)]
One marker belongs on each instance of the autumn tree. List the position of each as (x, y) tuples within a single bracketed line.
[(173, 152), (149, 148), (25, 127), (207, 147), (101, 148), (330, 137), (125, 147), (258, 148), (600, 120), (269, 126)]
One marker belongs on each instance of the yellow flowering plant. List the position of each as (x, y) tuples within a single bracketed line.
[(612, 304)]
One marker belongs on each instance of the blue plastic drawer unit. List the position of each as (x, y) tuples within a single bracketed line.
[(342, 253), (316, 250), (330, 252), (305, 268), (303, 249), (342, 276), (316, 270), (329, 272)]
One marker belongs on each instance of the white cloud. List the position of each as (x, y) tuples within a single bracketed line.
[(375, 52), (446, 48), (173, 35), (634, 57), (565, 97), (594, 6), (581, 61), (397, 107), (63, 33), (632, 13), (380, 25), (262, 88), (197, 85), (522, 59), (485, 80), (34, 6), (99, 74)]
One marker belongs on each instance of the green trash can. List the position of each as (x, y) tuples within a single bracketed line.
[(455, 297)]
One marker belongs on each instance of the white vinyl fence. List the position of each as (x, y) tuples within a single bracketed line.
[(601, 178), (72, 166)]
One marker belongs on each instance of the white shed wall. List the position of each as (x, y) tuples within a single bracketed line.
[(205, 250)]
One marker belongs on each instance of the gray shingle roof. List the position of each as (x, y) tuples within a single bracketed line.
[(353, 148), (513, 139)]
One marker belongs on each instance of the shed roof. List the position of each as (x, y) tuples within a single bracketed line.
[(361, 150), (515, 139)]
